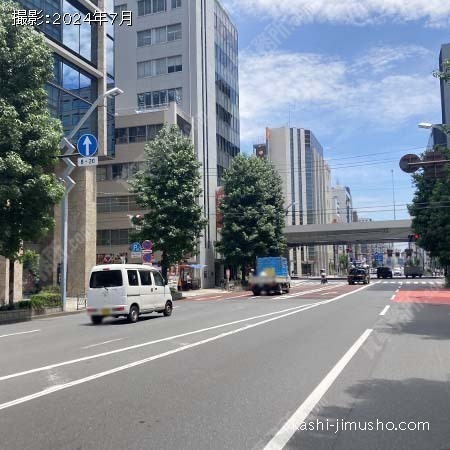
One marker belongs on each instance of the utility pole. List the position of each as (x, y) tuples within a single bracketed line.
[(393, 194)]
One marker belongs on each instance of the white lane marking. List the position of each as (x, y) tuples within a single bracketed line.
[(60, 387), (144, 344), (416, 282), (385, 310), (283, 436), (392, 298), (101, 343), (17, 334)]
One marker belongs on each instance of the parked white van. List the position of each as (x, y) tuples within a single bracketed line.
[(128, 290)]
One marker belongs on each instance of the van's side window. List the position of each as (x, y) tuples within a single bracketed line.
[(133, 278), (159, 280), (146, 278)]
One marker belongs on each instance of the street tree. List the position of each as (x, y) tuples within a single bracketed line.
[(253, 212), (431, 211), (431, 204), (29, 139), (169, 188)]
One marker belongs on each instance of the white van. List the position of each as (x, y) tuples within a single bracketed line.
[(126, 290)]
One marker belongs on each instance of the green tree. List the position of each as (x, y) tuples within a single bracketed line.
[(431, 211), (29, 138), (444, 72), (343, 261), (431, 204), (253, 212), (170, 188)]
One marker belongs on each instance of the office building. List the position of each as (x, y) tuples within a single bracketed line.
[(83, 70), (298, 157), (183, 52), (342, 204)]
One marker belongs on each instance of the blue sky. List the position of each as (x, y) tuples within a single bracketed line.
[(357, 73)]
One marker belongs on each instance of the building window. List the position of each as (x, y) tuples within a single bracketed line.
[(155, 99), (152, 131), (144, 38), (144, 7), (174, 64), (137, 134), (176, 4), (144, 69), (160, 34), (101, 173), (159, 6), (174, 32), (119, 172), (119, 9), (151, 7)]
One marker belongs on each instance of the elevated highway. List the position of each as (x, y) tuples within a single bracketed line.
[(349, 233)]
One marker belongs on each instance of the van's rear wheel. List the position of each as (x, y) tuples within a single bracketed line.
[(168, 309), (97, 320), (133, 315)]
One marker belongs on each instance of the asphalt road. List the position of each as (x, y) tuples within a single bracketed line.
[(236, 372)]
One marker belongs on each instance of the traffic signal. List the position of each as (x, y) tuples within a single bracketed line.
[(413, 237)]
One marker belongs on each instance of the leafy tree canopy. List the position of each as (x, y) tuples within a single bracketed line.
[(29, 137), (253, 212), (169, 188), (431, 211)]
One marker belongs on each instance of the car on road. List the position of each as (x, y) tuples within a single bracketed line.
[(384, 272), (127, 290), (358, 275), (397, 272)]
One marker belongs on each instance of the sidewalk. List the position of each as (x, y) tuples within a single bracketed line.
[(71, 305)]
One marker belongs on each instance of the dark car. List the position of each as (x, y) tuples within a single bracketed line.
[(358, 275), (384, 272)]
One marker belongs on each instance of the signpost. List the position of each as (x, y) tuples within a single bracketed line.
[(147, 252), (136, 248), (87, 146)]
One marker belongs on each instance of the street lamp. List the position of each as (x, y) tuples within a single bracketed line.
[(69, 148), (427, 126)]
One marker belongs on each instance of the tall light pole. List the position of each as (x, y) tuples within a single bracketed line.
[(66, 145)]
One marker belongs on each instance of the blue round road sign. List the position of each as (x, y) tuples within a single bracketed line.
[(87, 145), (147, 258), (147, 245)]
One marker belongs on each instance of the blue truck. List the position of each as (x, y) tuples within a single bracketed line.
[(271, 276)]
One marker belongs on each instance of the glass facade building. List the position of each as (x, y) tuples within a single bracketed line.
[(73, 90), (227, 90)]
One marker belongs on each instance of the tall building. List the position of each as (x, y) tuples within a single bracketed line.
[(298, 157), (445, 87), (83, 68), (342, 204), (183, 52), (437, 137)]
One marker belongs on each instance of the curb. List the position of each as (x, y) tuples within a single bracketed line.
[(59, 314)]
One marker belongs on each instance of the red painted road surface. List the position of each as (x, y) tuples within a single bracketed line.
[(435, 297)]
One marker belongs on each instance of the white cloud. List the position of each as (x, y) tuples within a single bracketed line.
[(436, 13), (384, 58), (331, 93)]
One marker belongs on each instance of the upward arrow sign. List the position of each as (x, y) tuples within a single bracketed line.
[(87, 144)]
